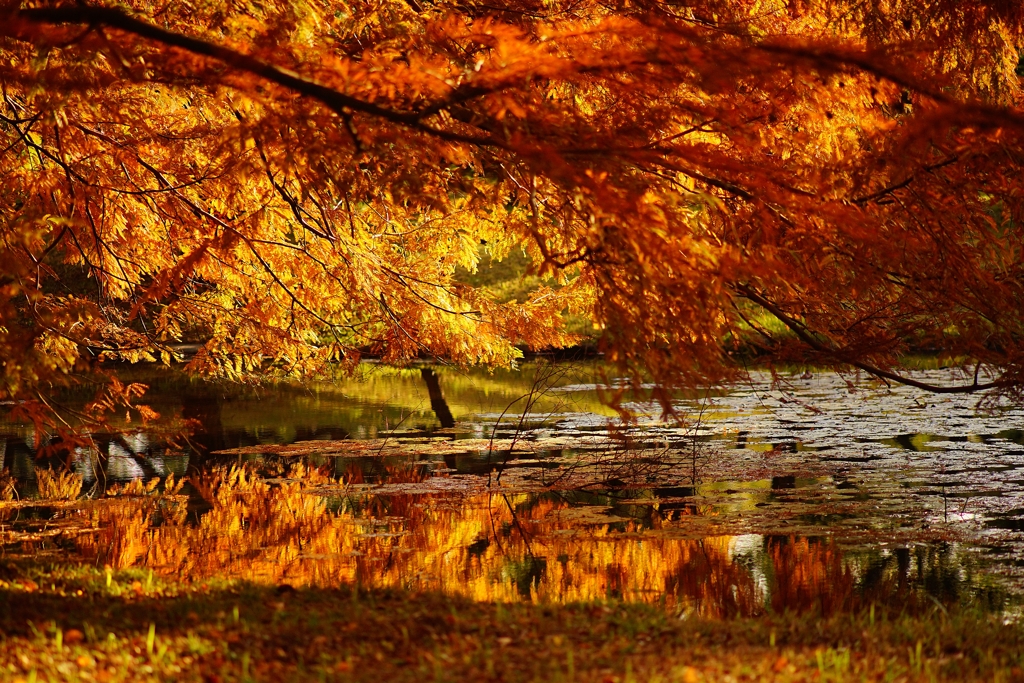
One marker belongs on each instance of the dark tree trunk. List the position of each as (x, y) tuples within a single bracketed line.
[(437, 402)]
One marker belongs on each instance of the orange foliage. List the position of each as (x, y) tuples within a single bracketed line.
[(294, 183), (486, 547)]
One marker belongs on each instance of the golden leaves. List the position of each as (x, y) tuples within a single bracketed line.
[(58, 485), (484, 546), (290, 186)]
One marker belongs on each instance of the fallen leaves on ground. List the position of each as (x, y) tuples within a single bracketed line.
[(79, 626)]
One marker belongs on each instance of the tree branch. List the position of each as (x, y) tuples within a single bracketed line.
[(747, 292), (337, 102)]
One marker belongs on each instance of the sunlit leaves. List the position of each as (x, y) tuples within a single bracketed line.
[(291, 186)]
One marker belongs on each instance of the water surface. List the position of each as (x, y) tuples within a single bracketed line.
[(818, 493)]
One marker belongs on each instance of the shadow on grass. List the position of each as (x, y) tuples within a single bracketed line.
[(70, 622)]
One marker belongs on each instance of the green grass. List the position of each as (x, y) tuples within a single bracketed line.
[(78, 623)]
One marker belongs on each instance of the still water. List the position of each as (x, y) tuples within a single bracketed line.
[(816, 493)]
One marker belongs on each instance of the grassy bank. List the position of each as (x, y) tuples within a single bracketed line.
[(85, 624)]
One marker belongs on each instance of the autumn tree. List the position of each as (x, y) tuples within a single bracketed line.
[(822, 181)]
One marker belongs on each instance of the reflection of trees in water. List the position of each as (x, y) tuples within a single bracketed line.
[(109, 457), (202, 409), (809, 575), (200, 418), (19, 456), (937, 569), (707, 579), (487, 548), (814, 575), (519, 548), (527, 574)]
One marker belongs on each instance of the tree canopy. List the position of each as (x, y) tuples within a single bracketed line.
[(834, 182)]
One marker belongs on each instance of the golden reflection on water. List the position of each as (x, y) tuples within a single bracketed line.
[(486, 547)]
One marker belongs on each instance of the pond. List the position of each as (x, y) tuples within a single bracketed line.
[(804, 492)]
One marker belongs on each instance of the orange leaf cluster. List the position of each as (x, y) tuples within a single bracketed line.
[(294, 184)]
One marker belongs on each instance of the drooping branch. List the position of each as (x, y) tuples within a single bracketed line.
[(833, 59), (885, 191), (336, 101), (830, 350)]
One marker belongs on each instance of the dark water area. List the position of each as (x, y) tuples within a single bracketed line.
[(820, 494)]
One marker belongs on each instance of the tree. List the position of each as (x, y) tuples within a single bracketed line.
[(828, 181)]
